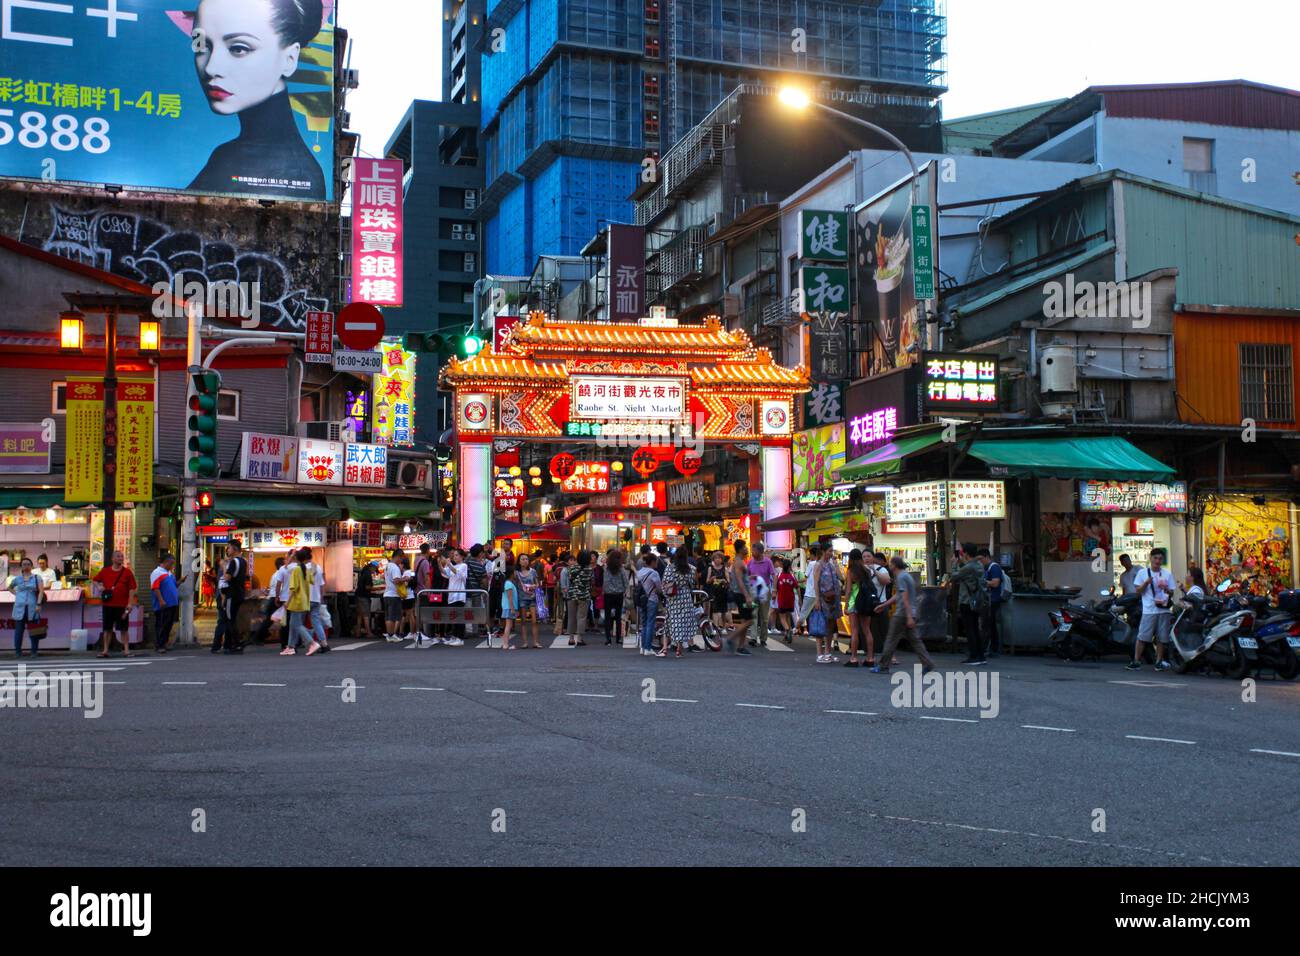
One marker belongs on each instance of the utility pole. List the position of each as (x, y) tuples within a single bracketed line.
[(191, 558), (110, 434)]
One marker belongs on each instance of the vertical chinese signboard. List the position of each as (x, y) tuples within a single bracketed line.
[(377, 231), (823, 235), (366, 466), (626, 272), (84, 470), (320, 338), (922, 254), (135, 405), (827, 357), (392, 419)]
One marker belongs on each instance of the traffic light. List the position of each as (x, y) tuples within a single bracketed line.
[(465, 345), (470, 345), (205, 501), (204, 386)]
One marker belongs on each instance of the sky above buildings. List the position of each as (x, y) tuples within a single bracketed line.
[(1001, 53)]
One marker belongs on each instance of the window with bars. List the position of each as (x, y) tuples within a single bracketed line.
[(1266, 390)]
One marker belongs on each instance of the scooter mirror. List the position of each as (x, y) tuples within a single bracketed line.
[(1224, 585), (1105, 592)]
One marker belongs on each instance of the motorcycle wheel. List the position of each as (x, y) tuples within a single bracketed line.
[(1181, 664), (1290, 666), (1240, 666), (1075, 650)]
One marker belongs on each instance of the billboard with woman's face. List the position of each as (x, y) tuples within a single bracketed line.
[(223, 97)]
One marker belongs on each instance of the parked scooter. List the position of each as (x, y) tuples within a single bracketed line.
[(1208, 632), (1276, 638), (1088, 630)]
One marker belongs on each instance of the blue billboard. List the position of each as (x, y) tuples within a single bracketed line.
[(221, 97)]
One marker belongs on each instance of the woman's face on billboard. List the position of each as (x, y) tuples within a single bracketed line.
[(240, 61)]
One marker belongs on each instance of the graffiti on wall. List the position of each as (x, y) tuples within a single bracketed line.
[(138, 248)]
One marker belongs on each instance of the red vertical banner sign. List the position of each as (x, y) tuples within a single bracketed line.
[(626, 273), (377, 231), (502, 326), (320, 338)]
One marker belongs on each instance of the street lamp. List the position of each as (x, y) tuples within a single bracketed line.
[(797, 99), (150, 335), (72, 330)]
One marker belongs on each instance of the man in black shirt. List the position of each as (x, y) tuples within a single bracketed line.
[(232, 594)]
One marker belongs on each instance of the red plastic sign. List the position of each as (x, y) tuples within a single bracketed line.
[(360, 326)]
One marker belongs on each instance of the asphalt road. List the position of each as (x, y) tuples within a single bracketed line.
[(552, 757)]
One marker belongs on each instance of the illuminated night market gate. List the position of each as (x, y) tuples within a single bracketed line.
[(653, 382)]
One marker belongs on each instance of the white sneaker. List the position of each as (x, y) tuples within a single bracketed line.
[(454, 642), (393, 639), (434, 640), (821, 658)]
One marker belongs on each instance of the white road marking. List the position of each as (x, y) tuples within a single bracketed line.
[(1059, 730), (356, 646), (1147, 683), (856, 713), (1163, 740), (421, 688), (1275, 753), (489, 691), (631, 640), (952, 720), (561, 642), (184, 683), (603, 696), (776, 644), (265, 685), (762, 706), (343, 687), (672, 700)]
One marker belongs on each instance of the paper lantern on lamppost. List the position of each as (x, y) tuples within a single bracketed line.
[(150, 335), (72, 330)]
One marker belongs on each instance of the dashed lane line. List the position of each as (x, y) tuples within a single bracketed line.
[(1162, 740), (265, 685), (421, 688), (184, 683), (1275, 753), (762, 706), (602, 696), (951, 720), (491, 691), (855, 713), (672, 700), (1059, 730)]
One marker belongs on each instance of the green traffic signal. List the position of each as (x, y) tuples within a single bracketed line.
[(202, 424), (471, 345)]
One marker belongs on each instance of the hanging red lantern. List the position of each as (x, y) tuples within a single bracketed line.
[(688, 461), (645, 461), (563, 466)]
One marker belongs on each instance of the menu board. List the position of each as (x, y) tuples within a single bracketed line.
[(977, 499), (944, 500), (1133, 496), (926, 501)]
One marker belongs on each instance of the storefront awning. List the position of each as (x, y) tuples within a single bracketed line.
[(271, 508), (33, 498), (888, 459), (387, 509), (794, 521), (1107, 457)]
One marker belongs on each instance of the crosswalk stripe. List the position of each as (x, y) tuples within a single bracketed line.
[(560, 642), (776, 644), (356, 646)]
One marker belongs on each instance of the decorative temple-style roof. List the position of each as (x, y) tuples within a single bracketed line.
[(545, 354), (538, 335)]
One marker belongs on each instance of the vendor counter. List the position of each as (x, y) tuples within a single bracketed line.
[(64, 611)]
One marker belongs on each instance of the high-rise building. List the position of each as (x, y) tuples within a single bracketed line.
[(577, 93)]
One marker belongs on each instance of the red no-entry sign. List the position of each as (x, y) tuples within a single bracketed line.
[(360, 326)]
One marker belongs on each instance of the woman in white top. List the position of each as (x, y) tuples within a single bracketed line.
[(456, 571)]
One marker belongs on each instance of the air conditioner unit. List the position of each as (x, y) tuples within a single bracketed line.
[(457, 228), (412, 473), (329, 431), (730, 306), (469, 235)]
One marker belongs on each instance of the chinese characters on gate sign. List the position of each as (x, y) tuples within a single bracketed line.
[(377, 231)]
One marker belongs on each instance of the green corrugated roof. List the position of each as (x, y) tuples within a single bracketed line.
[(1036, 278), (888, 459)]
